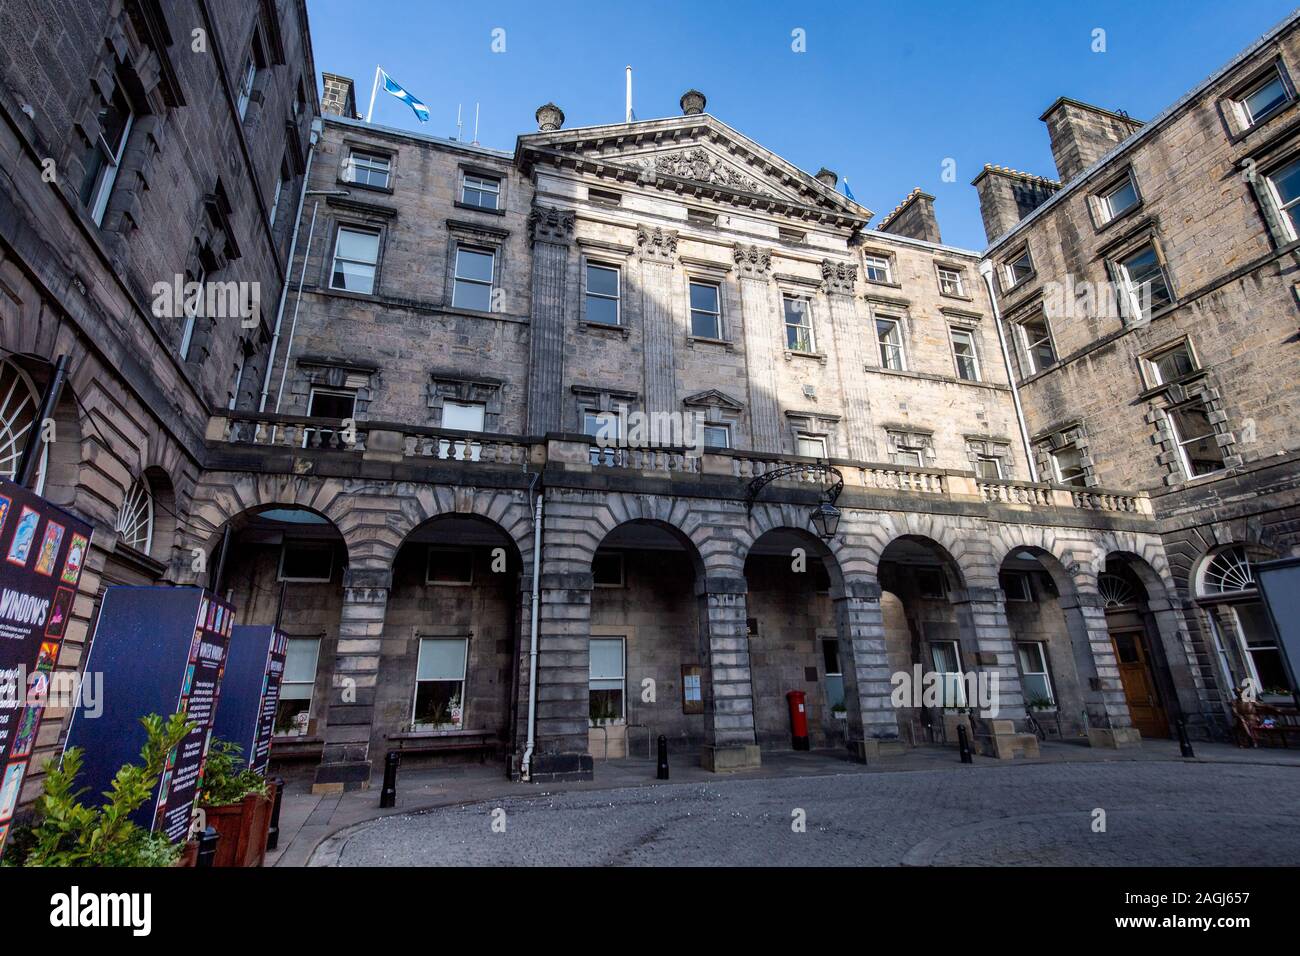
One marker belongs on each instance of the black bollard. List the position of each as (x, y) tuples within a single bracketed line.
[(963, 744), (663, 757), (273, 833), (208, 840), (1184, 743), (388, 796)]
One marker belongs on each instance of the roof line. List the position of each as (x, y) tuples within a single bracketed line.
[(1157, 122), (419, 137)]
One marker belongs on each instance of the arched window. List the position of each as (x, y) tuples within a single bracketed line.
[(1228, 572), (19, 402), (1115, 591), (135, 517)]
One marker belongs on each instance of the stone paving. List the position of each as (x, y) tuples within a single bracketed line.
[(1158, 813)]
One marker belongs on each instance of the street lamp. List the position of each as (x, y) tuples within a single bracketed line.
[(825, 517)]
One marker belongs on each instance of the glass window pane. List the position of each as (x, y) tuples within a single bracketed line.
[(1036, 688), (300, 659), (462, 416), (705, 325), (1266, 97), (442, 660), (602, 310), (354, 277), (472, 295), (1122, 198), (1287, 182), (1192, 422), (602, 281), (704, 297), (358, 246), (1174, 364), (474, 264), (606, 659)]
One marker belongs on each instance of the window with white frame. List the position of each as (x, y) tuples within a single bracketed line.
[(907, 455), (440, 684), (103, 158), (706, 310), (306, 561), (367, 169), (1261, 98), (879, 269), (247, 77), (356, 254), (607, 678), (603, 426), (465, 417), (339, 404), (834, 676), (717, 435), (987, 466), (947, 667), (1118, 198), (1017, 269), (1035, 682), (1067, 463), (810, 446), (889, 336), (280, 182), (1146, 287), (192, 308), (1262, 652), (297, 685), (950, 281), (1284, 185), (472, 283), (798, 324), (135, 516), (604, 294), (963, 355), (481, 191), (1194, 435), (1171, 364), (452, 567), (1036, 343)]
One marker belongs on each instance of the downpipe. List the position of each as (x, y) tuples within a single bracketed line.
[(526, 764), (986, 271)]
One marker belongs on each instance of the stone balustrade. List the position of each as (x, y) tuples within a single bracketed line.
[(387, 441)]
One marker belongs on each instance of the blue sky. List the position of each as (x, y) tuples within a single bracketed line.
[(883, 93)]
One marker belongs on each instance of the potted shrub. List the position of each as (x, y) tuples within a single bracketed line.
[(236, 802), (65, 832), (607, 736)]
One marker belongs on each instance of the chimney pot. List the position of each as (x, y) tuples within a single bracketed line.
[(549, 117), (693, 103)]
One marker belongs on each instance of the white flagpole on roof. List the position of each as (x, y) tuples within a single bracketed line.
[(373, 90)]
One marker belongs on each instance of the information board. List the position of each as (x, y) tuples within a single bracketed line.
[(250, 691), (42, 551)]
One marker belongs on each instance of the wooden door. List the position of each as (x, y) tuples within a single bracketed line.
[(1139, 684)]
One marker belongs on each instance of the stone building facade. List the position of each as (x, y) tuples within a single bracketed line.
[(144, 145), (1149, 296), (406, 461)]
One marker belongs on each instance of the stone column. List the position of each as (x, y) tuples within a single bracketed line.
[(564, 633), (838, 281), (1109, 721), (551, 231), (658, 255), (982, 615), (346, 761), (762, 345), (864, 662), (728, 686)]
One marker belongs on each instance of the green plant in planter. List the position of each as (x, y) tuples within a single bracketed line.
[(1041, 703), (68, 833), (227, 778)]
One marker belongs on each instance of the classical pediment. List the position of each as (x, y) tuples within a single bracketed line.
[(714, 397), (697, 155)]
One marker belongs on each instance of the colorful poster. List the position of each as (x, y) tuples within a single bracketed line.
[(250, 692), (38, 581)]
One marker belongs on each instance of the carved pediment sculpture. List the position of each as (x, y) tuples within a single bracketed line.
[(700, 165), (548, 224), (838, 278), (656, 244), (752, 261)]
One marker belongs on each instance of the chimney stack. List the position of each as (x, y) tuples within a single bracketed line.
[(1081, 134), (913, 217), (1008, 195), (340, 98)]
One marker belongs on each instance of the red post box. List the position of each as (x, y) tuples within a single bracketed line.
[(798, 720)]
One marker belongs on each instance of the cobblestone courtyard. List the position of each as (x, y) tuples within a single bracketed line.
[(1161, 814)]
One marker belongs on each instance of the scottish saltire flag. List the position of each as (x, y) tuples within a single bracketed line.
[(392, 86), (847, 191)]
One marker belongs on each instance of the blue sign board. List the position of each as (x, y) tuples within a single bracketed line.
[(250, 691)]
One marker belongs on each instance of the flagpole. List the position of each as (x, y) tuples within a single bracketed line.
[(373, 90), (628, 117)]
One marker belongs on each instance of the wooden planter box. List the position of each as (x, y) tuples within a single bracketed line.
[(189, 854), (243, 827)]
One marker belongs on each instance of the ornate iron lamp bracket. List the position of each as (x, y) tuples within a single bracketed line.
[(829, 494)]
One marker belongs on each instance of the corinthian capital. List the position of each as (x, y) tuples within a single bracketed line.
[(838, 278), (657, 244), (752, 261), (547, 224)]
